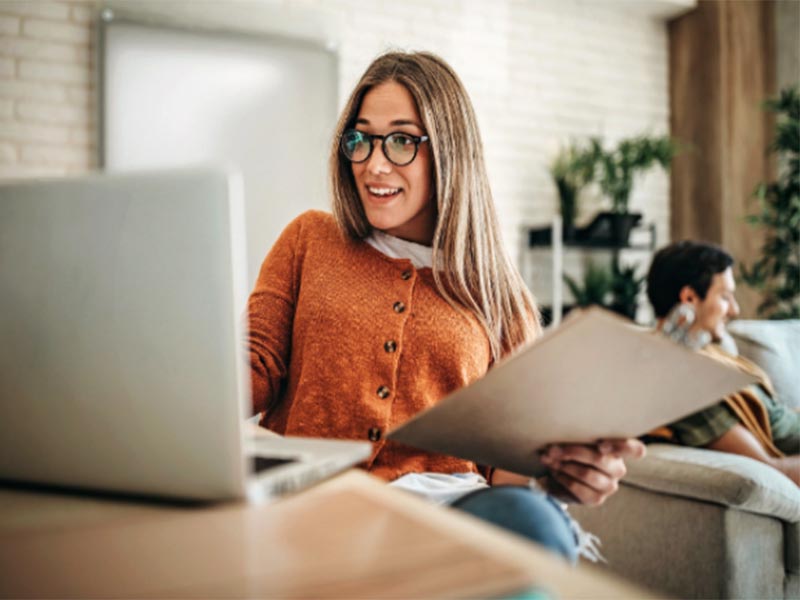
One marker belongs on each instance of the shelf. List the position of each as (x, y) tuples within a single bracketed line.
[(602, 232), (543, 265)]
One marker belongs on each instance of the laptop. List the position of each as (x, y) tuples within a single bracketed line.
[(122, 362)]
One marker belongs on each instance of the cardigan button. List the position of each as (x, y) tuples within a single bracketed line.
[(399, 307), (382, 392), (406, 275), (374, 434), (390, 346)]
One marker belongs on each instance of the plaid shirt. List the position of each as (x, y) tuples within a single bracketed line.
[(704, 427)]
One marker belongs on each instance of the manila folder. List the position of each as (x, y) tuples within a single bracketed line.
[(594, 377)]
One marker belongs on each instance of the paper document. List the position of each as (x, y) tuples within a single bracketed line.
[(596, 376)]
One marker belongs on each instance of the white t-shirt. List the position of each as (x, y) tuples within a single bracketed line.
[(393, 247)]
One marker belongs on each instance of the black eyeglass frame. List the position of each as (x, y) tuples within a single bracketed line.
[(371, 137)]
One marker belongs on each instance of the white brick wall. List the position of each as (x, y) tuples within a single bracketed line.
[(47, 88), (539, 71)]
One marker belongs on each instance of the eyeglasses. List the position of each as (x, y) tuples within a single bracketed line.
[(399, 148)]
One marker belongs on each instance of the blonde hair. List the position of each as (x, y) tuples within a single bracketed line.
[(473, 269)]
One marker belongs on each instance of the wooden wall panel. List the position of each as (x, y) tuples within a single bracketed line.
[(722, 67), (697, 184), (749, 76)]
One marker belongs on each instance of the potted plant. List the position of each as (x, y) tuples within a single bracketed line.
[(616, 171), (625, 287), (777, 273), (595, 288), (616, 288), (571, 170)]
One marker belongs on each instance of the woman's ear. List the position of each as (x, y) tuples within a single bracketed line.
[(687, 295)]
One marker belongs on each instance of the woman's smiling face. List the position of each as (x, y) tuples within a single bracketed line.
[(396, 200)]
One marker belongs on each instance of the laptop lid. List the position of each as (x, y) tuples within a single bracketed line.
[(121, 365)]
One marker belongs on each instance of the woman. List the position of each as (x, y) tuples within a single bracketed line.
[(352, 332)]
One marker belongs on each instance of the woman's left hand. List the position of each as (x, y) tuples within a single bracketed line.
[(588, 473)]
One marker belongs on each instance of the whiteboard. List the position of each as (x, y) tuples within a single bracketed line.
[(263, 104)]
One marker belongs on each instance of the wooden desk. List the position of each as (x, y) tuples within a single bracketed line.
[(350, 537)]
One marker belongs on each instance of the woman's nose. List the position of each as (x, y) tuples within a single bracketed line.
[(378, 163)]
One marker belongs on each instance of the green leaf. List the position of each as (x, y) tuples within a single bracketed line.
[(777, 272)]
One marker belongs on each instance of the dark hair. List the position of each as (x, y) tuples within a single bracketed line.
[(681, 264)]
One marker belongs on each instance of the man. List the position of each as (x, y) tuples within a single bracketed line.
[(752, 422)]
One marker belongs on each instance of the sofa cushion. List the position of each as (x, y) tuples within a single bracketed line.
[(722, 478), (775, 347)]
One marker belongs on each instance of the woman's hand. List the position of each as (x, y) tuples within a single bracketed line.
[(588, 473)]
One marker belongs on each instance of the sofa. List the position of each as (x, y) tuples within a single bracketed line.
[(695, 523)]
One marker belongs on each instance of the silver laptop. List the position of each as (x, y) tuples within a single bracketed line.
[(122, 362)]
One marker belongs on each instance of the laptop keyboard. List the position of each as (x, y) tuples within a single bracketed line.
[(261, 463)]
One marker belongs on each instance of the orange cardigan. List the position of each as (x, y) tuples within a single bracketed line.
[(346, 342)]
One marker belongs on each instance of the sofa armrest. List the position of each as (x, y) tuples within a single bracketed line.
[(718, 477)]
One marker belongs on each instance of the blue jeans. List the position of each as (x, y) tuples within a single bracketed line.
[(525, 512)]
